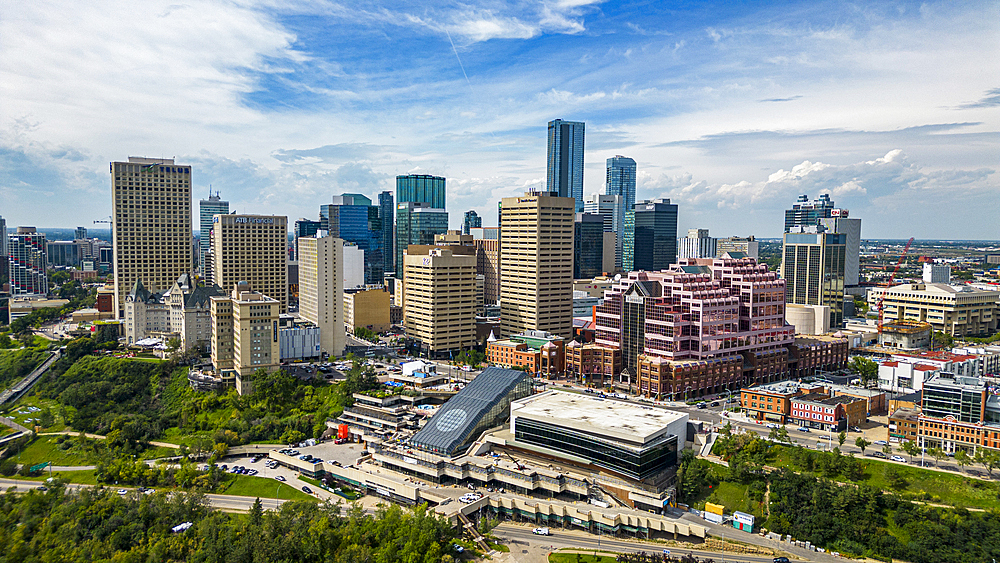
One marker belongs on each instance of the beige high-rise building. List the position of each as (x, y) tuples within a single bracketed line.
[(321, 301), (367, 307), (151, 225), (440, 299), (252, 249), (536, 264), (252, 336)]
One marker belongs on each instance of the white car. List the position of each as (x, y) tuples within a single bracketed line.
[(540, 531), (898, 458), (279, 477), (123, 492)]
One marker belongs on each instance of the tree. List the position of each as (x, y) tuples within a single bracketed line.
[(991, 460), (942, 340), (962, 458), (173, 344), (841, 438), (861, 443), (865, 369), (887, 450), (911, 448), (46, 419), (937, 453)]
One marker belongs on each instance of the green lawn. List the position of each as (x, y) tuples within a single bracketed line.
[(20, 413), (247, 486), (46, 448), (583, 558)]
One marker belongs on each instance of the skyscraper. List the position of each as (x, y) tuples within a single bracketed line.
[(304, 228), (472, 220), (321, 271), (697, 244), (417, 223), (252, 249), (612, 208), (588, 246), (655, 240), (80, 233), (807, 213), (208, 208), (564, 170), (812, 264), (825, 213), (536, 264), (152, 224), (421, 188), (387, 213), (27, 261), (4, 253), (620, 180), (439, 300), (353, 218)]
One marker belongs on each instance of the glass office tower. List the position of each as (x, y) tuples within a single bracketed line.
[(564, 170), (421, 188), (387, 213), (655, 240), (353, 218), (417, 223)]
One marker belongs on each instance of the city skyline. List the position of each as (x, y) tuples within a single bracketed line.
[(730, 112)]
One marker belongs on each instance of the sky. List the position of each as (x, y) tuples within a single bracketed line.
[(730, 109)]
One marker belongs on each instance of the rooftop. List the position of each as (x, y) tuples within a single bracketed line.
[(598, 416)]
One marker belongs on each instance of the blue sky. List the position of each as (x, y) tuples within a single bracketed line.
[(730, 109)]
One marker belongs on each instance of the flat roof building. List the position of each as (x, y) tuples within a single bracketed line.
[(439, 305), (321, 273), (958, 310), (252, 249), (635, 441), (151, 224)]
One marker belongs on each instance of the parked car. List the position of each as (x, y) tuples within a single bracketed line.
[(458, 548), (880, 443), (803, 429), (540, 531), (306, 490), (878, 454), (898, 458), (780, 560), (123, 492), (279, 478)]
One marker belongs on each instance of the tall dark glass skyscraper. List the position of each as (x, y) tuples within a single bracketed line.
[(421, 188), (564, 171), (588, 246), (472, 220), (387, 213), (621, 180), (304, 228), (655, 246), (807, 213)]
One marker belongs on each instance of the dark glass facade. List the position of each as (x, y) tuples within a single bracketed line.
[(361, 225), (472, 220), (416, 224), (304, 228), (564, 170), (807, 213), (421, 188), (621, 180), (588, 246), (655, 240), (387, 213), (637, 463)]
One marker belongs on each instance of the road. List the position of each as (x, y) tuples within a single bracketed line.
[(221, 502), (520, 539)]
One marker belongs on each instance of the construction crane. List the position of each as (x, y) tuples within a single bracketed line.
[(881, 298), (110, 221)]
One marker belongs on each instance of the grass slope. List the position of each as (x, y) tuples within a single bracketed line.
[(247, 486)]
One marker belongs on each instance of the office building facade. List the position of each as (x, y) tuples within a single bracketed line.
[(151, 228), (304, 228), (620, 180), (744, 245), (851, 229), (64, 253), (536, 264), (421, 188), (321, 302), (805, 213), (588, 246), (470, 221), (417, 223), (612, 209), (654, 244), (813, 266), (4, 253), (697, 244), (27, 261), (564, 169), (353, 218), (387, 214), (252, 249), (955, 310), (439, 305), (208, 208), (245, 334)]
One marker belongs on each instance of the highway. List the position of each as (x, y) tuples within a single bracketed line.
[(560, 538)]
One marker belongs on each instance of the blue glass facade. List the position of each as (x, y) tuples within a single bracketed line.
[(359, 224), (421, 188), (416, 223), (387, 213), (564, 168), (621, 181)]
